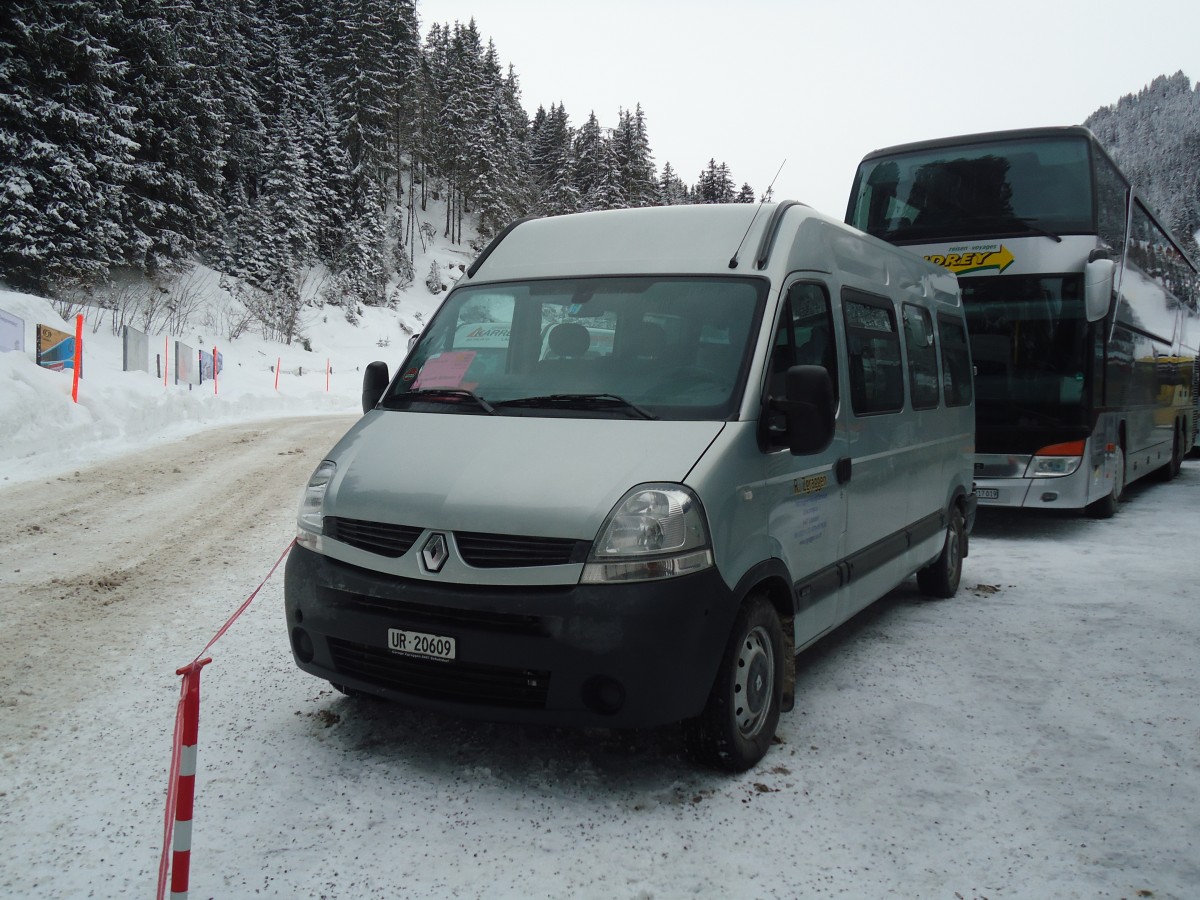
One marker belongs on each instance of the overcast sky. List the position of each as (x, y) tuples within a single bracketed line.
[(755, 82)]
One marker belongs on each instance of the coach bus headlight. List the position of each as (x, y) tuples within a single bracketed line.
[(1056, 460)]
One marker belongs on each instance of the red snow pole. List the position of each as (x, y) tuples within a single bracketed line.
[(182, 791), (78, 357), (278, 361), (327, 371), (215, 367)]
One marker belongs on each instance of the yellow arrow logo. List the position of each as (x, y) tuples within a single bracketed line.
[(974, 261)]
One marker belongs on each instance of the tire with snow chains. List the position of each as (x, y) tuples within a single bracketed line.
[(738, 723)]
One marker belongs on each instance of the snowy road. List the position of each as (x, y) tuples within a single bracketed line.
[(1036, 736)]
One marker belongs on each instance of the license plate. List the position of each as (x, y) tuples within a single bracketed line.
[(417, 643), (987, 493)]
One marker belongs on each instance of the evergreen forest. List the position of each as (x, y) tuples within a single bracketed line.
[(272, 136), (1154, 136), (267, 138)]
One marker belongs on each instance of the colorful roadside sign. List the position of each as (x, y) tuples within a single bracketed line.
[(55, 349)]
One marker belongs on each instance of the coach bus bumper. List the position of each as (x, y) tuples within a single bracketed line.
[(1016, 491)]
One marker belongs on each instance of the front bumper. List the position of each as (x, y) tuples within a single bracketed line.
[(627, 656)]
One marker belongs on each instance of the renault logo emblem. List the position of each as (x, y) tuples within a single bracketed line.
[(435, 552)]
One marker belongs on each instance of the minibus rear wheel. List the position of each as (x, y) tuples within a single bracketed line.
[(738, 723), (940, 578)]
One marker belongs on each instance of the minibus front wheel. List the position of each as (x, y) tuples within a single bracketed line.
[(738, 723)]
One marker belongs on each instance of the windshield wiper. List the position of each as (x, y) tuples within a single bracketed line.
[(579, 401), (1037, 229), (444, 395), (1015, 222)]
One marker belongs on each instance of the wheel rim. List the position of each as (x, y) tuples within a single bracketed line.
[(754, 683), (1119, 475)]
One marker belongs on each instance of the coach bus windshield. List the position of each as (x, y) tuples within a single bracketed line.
[(1002, 188), (1029, 346)]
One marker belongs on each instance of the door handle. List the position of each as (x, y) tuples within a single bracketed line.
[(842, 469)]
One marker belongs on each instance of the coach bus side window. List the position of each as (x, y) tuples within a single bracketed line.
[(876, 371), (956, 362), (922, 357), (1112, 204)]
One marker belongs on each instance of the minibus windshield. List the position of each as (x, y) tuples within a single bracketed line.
[(648, 347)]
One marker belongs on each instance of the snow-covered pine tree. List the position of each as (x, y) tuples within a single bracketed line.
[(362, 90), (635, 163), (671, 189), (552, 161), (715, 184), (64, 137), (170, 196), (595, 176)]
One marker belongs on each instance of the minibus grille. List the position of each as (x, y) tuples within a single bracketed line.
[(449, 681), (495, 551), (483, 551), (374, 537), (421, 615)]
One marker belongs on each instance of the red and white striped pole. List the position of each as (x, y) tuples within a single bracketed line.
[(183, 781)]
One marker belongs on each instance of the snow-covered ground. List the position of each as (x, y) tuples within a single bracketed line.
[(42, 430), (1036, 736)]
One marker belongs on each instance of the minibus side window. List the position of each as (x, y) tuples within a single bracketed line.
[(922, 357), (876, 371), (804, 338), (956, 362)]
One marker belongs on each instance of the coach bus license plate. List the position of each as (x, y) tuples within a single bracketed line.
[(987, 493), (416, 643)]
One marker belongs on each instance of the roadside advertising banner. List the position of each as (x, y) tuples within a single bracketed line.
[(12, 332), (55, 349), (135, 350), (187, 371), (206, 365)]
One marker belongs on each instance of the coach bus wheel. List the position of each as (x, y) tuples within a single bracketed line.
[(1171, 469), (738, 723), (1106, 507), (940, 578)]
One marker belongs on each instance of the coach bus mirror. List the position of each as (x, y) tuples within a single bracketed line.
[(413, 338), (375, 380), (1097, 288), (810, 409)]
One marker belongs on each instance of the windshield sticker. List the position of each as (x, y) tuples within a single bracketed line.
[(444, 371), (965, 260)]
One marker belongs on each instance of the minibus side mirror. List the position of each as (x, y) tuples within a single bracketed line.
[(810, 409), (1097, 288), (375, 381)]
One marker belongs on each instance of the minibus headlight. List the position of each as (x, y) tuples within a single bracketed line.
[(310, 519), (1056, 460), (656, 531)]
